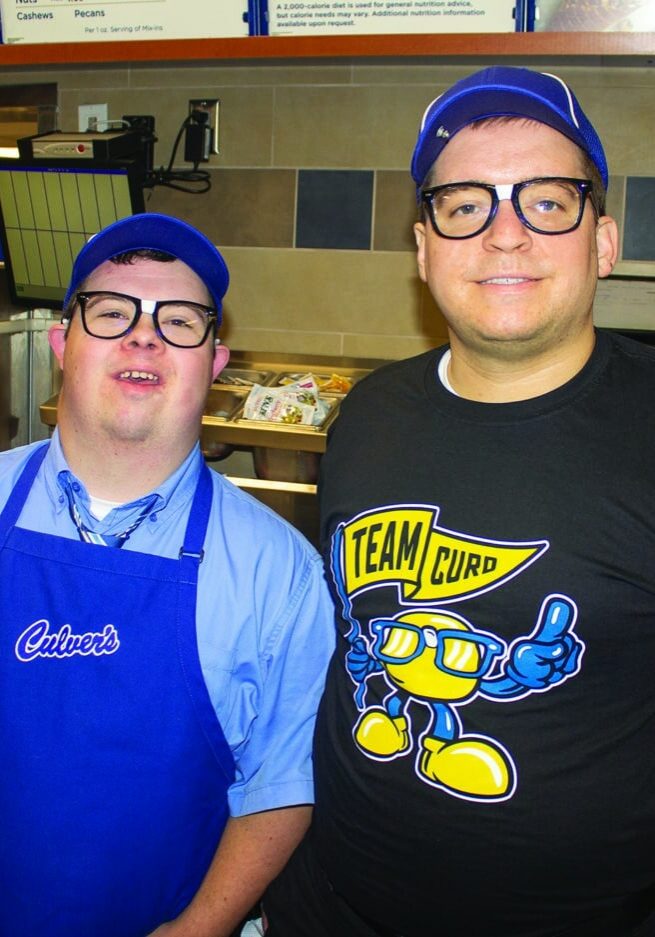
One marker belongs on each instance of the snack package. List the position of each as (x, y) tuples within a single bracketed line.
[(297, 403), (331, 384)]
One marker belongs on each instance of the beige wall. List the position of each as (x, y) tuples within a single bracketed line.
[(278, 117)]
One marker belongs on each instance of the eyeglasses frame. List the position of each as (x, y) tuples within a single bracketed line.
[(584, 187), (83, 296)]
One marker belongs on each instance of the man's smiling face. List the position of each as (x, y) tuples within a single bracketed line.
[(136, 389), (509, 292)]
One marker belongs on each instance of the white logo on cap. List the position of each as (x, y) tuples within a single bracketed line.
[(429, 108), (442, 132)]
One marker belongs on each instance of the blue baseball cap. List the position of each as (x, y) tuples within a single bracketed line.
[(151, 231), (504, 91)]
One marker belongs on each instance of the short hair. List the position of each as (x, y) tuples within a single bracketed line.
[(144, 253)]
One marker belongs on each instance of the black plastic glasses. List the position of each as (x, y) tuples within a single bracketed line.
[(177, 322), (549, 205)]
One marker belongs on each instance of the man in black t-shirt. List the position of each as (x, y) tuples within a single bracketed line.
[(485, 748)]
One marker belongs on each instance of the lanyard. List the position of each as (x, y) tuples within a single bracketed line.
[(91, 536)]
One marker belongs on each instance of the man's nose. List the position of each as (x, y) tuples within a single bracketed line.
[(144, 331), (507, 231)]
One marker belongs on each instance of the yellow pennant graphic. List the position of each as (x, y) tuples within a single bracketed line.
[(404, 545)]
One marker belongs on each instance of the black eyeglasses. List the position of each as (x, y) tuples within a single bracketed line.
[(551, 205), (176, 321)]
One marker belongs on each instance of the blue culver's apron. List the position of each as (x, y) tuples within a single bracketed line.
[(113, 767)]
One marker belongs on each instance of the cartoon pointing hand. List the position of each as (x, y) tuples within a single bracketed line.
[(552, 652)]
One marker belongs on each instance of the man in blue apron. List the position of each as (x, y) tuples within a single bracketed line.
[(164, 636)]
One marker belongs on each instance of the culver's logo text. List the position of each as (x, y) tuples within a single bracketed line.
[(39, 641)]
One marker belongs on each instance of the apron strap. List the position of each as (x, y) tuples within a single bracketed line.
[(21, 489), (192, 553), (190, 558)]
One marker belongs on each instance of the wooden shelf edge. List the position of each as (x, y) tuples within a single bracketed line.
[(294, 47)]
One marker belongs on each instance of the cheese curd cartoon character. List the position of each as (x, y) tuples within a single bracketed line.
[(439, 659)]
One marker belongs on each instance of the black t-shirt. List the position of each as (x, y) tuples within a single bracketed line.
[(485, 750)]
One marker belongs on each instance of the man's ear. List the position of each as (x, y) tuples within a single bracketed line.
[(607, 245), (419, 234), (221, 358), (57, 341)]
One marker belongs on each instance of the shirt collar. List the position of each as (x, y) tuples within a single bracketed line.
[(182, 482)]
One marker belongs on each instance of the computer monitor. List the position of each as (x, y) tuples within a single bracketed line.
[(48, 210)]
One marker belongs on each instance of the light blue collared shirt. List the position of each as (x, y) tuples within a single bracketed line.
[(264, 620)]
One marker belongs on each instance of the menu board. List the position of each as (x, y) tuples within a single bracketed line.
[(595, 15), (330, 17), (102, 20)]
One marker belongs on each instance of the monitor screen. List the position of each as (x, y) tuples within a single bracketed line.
[(48, 210)]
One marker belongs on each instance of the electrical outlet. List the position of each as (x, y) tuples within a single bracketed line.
[(92, 117), (211, 107)]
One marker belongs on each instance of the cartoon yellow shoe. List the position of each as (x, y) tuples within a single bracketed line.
[(467, 766), (377, 733)]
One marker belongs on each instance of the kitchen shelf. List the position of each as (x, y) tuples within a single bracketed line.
[(232, 429), (340, 46)]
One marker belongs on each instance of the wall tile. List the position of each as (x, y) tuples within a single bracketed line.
[(389, 348), (334, 209), (355, 127), (323, 290), (244, 207), (639, 233), (627, 140), (246, 134), (104, 76), (96, 76), (238, 338), (433, 325), (395, 212), (215, 77), (615, 205), (441, 73), (624, 303), (616, 72), (430, 74)]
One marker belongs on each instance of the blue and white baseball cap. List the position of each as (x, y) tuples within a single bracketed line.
[(504, 91), (152, 231)]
